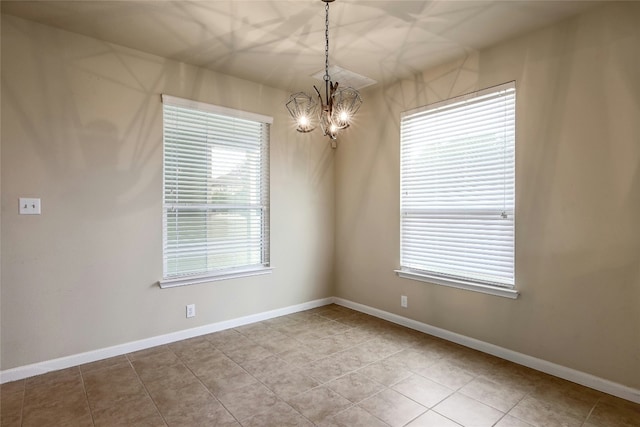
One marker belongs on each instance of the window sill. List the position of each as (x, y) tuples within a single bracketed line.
[(194, 280), (459, 284)]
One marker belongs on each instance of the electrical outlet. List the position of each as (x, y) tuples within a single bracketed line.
[(403, 301), (191, 310)]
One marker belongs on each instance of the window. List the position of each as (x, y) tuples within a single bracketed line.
[(216, 192), (457, 190)]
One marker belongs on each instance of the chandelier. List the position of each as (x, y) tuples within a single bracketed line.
[(337, 109)]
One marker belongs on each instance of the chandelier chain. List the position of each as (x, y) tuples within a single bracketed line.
[(326, 39)]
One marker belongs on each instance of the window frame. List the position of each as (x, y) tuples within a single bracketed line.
[(217, 274), (442, 277)]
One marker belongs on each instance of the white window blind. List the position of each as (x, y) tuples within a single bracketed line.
[(216, 189), (457, 188)]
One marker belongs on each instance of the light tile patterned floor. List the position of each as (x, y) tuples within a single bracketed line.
[(329, 366)]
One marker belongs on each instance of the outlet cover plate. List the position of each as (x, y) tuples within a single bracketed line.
[(191, 310)]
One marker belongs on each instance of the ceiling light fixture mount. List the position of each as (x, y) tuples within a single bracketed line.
[(337, 109)]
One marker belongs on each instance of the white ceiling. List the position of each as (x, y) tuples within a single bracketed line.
[(281, 43)]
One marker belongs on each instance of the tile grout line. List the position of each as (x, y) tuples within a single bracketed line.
[(527, 394), (145, 387), (207, 388), (355, 405), (434, 405), (455, 422), (591, 411), (86, 396), (24, 398), (507, 412)]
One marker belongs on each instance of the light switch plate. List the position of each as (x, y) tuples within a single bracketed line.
[(29, 206)]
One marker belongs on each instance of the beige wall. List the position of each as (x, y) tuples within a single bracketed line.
[(82, 130), (578, 197)]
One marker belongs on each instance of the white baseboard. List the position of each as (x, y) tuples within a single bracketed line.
[(560, 371), (27, 371)]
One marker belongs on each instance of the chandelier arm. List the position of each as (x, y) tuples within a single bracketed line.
[(320, 98)]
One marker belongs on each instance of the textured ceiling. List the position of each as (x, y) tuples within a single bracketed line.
[(281, 43)]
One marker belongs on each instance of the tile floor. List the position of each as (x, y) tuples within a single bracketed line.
[(329, 366)]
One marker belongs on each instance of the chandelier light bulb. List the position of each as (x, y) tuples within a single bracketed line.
[(303, 109)]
